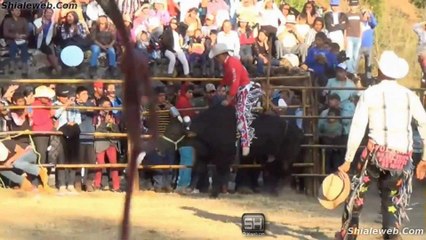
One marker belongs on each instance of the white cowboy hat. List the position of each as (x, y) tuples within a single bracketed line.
[(334, 191), (291, 19), (219, 49), (342, 66), (393, 66), (43, 91), (4, 152)]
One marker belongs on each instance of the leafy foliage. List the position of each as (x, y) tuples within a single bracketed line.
[(419, 3)]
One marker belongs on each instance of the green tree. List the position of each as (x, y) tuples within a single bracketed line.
[(419, 3)]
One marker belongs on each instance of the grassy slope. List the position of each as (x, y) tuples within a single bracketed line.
[(395, 32)]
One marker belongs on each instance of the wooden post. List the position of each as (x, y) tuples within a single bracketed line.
[(268, 76)]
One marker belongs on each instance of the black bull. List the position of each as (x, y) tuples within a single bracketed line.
[(276, 146)]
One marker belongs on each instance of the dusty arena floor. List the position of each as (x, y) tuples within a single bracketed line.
[(91, 216)]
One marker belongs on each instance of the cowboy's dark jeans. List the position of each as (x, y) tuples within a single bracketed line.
[(389, 186)]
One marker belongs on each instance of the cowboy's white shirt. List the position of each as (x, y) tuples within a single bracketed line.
[(388, 109)]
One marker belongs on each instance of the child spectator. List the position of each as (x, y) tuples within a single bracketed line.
[(196, 49), (330, 133), (208, 26), (105, 122), (184, 100)]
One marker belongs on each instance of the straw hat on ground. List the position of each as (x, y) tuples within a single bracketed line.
[(334, 191)]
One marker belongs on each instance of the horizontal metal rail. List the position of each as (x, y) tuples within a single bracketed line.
[(124, 165)]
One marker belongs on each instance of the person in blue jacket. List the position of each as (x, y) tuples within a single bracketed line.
[(320, 59), (368, 23)]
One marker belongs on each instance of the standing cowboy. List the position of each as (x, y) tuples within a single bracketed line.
[(388, 108), (248, 93)]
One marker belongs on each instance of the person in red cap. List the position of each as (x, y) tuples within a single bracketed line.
[(246, 92)]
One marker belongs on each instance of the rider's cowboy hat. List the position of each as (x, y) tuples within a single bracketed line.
[(4, 152), (44, 92), (219, 49), (393, 66), (334, 191)]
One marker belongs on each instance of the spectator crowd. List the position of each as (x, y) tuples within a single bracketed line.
[(318, 38)]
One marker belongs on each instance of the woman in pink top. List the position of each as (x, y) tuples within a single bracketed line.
[(42, 119)]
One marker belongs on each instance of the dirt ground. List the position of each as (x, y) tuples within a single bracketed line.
[(91, 216)]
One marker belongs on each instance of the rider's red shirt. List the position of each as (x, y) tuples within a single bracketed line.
[(235, 75)]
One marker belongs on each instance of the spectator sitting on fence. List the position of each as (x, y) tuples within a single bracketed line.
[(105, 122), (87, 149), (16, 32), (23, 157), (103, 36)]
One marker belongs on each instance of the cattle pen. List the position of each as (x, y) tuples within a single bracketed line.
[(312, 161)]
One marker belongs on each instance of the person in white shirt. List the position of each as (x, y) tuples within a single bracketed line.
[(270, 16), (230, 38), (185, 5), (388, 109), (289, 41)]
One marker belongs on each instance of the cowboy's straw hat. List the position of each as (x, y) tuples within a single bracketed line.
[(334, 191), (393, 66), (43, 91), (219, 49), (3, 152)]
